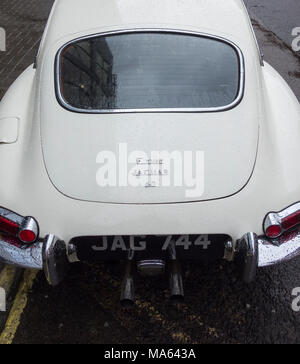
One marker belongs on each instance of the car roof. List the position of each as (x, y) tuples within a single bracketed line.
[(72, 19)]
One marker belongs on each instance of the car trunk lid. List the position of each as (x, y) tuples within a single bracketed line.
[(124, 158)]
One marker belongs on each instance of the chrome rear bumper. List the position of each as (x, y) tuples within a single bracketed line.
[(259, 251), (24, 257), (52, 256), (280, 250), (49, 255)]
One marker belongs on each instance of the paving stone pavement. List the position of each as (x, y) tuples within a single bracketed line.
[(23, 22)]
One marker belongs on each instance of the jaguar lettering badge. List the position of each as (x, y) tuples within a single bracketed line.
[(155, 169)]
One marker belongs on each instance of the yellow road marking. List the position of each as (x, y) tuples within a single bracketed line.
[(18, 307), (193, 317), (173, 329), (7, 277)]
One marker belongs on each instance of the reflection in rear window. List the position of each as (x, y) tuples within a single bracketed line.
[(147, 70)]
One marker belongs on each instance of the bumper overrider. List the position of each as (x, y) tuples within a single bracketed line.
[(21, 245)]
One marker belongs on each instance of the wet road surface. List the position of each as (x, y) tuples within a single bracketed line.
[(218, 307), (279, 16)]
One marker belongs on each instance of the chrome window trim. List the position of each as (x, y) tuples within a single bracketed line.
[(237, 100)]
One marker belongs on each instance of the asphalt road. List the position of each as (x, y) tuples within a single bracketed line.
[(218, 308), (273, 22), (279, 16)]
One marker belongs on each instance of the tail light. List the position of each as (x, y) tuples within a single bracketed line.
[(8, 226), (276, 223), (273, 231), (24, 228), (291, 220), (27, 236)]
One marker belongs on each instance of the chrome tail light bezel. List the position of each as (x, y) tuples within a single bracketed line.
[(27, 223), (278, 218)]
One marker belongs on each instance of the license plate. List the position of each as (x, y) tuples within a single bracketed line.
[(188, 247)]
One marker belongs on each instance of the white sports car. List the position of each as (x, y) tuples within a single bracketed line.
[(150, 131)]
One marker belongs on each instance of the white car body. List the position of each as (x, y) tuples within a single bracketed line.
[(48, 153)]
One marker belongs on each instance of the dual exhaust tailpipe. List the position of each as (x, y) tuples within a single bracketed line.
[(152, 268), (127, 288), (176, 283)]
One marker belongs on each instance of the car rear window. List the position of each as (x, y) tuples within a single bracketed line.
[(141, 71)]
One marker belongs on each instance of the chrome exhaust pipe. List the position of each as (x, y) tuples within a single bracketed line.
[(127, 287), (176, 282)]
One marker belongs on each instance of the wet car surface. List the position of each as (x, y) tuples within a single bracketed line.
[(218, 307)]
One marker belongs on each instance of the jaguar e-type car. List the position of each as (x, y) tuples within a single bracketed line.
[(151, 132)]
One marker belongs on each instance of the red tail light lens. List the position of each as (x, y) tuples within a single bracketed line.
[(291, 221), (277, 223), (25, 229), (273, 231), (27, 236), (8, 226)]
